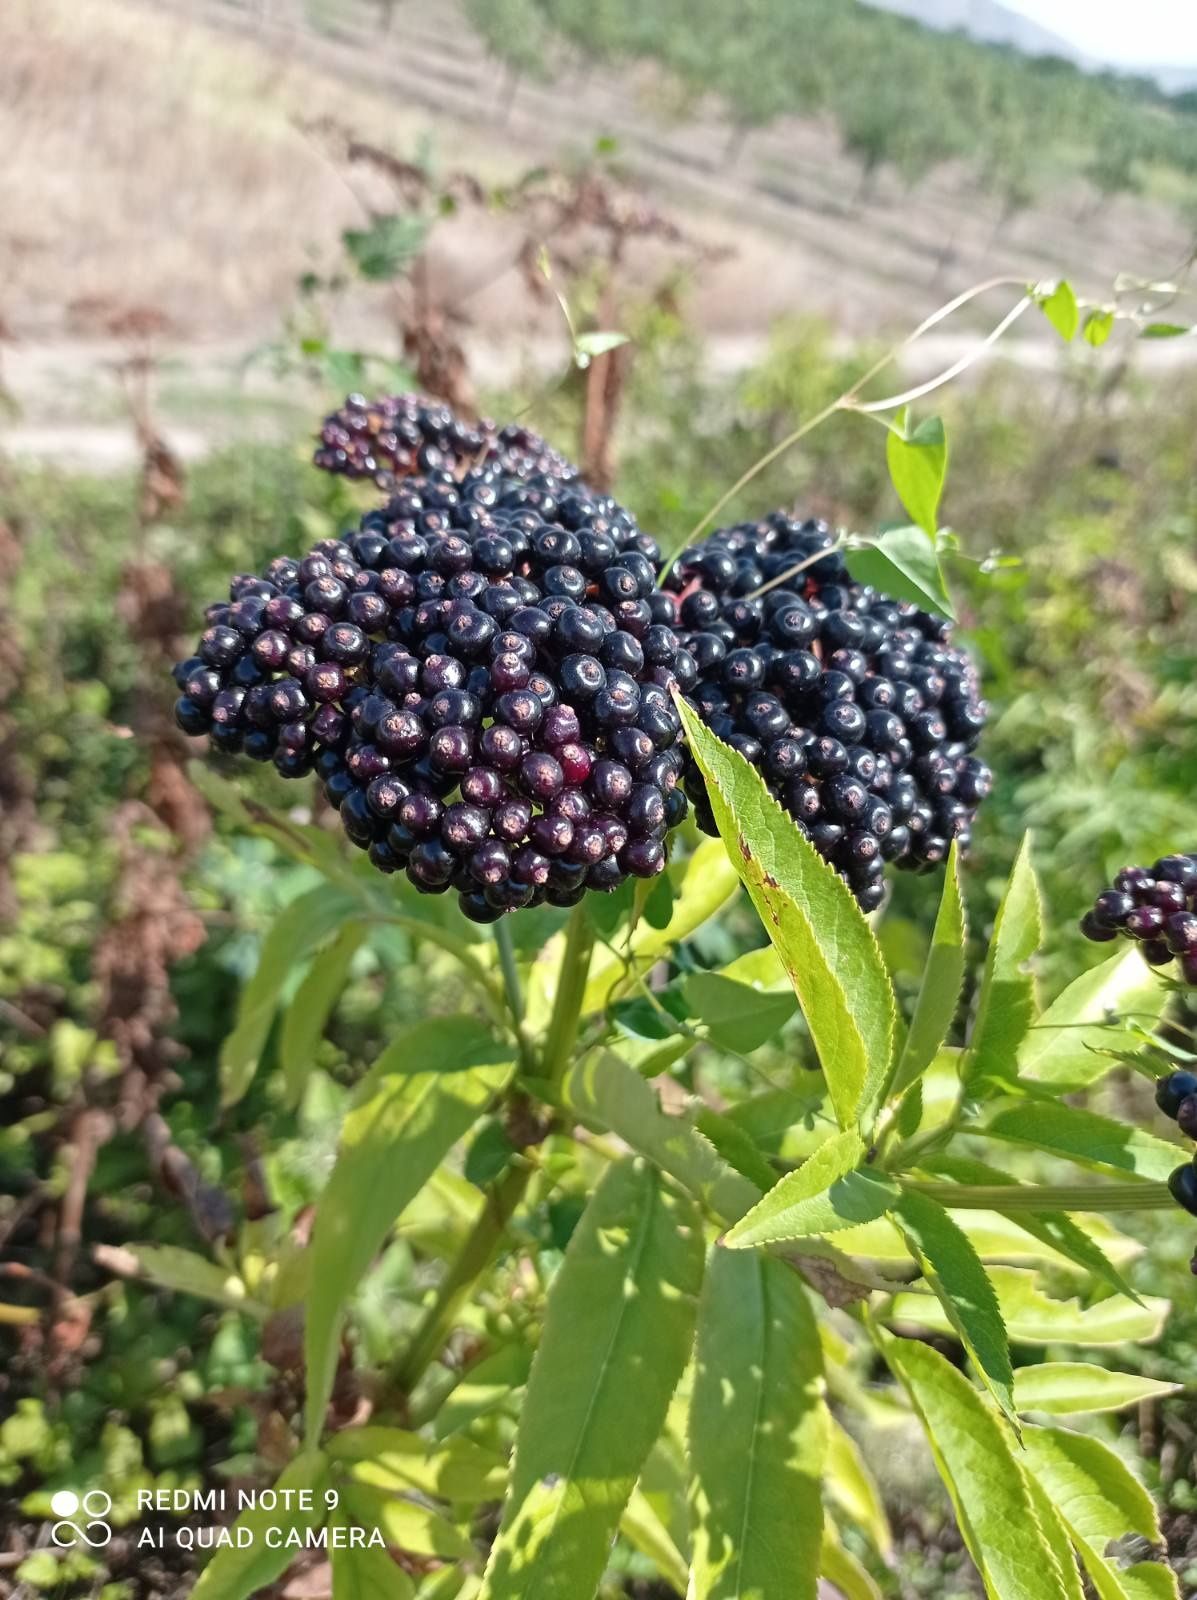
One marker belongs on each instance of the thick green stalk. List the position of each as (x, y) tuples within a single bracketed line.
[(487, 1233), (1047, 1197), (458, 1283), (571, 990)]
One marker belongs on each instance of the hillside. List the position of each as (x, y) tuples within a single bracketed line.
[(985, 20)]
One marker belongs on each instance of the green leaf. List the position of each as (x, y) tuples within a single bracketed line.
[(184, 1272), (365, 1572), (973, 1455), (826, 1193), (617, 1335), (853, 1488), (1032, 1317), (844, 1572), (1099, 1500), (903, 562), (306, 1018), (1063, 1388), (1086, 1138), (405, 1524), (737, 1017), (1073, 1044), (758, 1434), (645, 1531), (1061, 310), (737, 1147), (300, 927), (394, 1458), (606, 1092), (825, 944), (939, 994), (383, 249), (1164, 330), (1051, 1525), (589, 345), (236, 1572), (419, 1098), (918, 465), (954, 1272), (1099, 325), (1006, 1006)]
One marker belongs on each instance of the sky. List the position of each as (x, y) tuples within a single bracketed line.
[(1159, 32)]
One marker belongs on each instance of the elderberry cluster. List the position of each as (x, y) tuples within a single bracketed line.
[(856, 709), (396, 436), (480, 675), (1155, 906), (1176, 1096)]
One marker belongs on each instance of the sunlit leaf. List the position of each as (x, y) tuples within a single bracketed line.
[(1065, 1387), (974, 1456), (955, 1274), (414, 1104), (903, 562), (617, 1335), (1006, 1005), (918, 465), (825, 944), (828, 1192), (1061, 310), (758, 1431), (939, 994), (1066, 1043)]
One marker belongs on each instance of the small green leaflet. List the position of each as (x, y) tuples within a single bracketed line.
[(1099, 1500), (1032, 1317), (1006, 1006), (1164, 330), (918, 465), (825, 944), (382, 250), (306, 1018), (1073, 1044), (184, 1272), (1086, 1138), (394, 1458), (589, 345), (758, 1434), (954, 1272), (1061, 310), (825, 1194), (903, 562), (617, 1335), (1098, 327), (605, 1090), (236, 1572), (939, 994), (852, 1487), (737, 1016), (364, 1572), (844, 1572), (419, 1098), (300, 928), (973, 1455), (1065, 1388)]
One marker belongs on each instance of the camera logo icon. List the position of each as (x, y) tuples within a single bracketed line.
[(82, 1519)]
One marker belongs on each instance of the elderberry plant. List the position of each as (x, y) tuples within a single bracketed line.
[(661, 1278)]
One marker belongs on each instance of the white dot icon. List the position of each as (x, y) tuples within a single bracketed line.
[(65, 1503)]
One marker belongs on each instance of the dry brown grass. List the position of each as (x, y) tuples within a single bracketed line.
[(149, 160)]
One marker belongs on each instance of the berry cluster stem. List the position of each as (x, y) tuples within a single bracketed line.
[(1048, 1197)]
